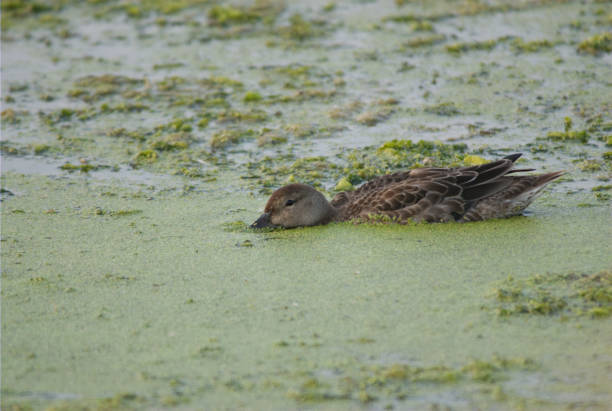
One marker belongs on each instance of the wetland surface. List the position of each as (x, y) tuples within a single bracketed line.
[(140, 138)]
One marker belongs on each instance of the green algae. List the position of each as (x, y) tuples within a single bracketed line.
[(564, 295), (175, 141), (251, 97), (355, 166), (533, 46), (368, 382), (92, 88), (226, 15), (389, 296), (10, 116), (145, 157), (226, 138), (83, 168), (458, 48), (302, 359), (599, 43), (580, 136), (234, 116), (425, 41), (371, 118), (443, 109)]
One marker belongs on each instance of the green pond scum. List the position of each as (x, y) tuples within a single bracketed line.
[(141, 138)]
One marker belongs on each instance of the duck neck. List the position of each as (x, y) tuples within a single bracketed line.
[(332, 214)]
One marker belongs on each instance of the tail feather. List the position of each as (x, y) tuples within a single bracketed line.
[(513, 157), (548, 177)]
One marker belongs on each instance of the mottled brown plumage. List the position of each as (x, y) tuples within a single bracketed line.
[(426, 194)]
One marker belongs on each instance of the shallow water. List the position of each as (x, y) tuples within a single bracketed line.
[(134, 284)]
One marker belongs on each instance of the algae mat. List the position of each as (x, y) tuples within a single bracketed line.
[(138, 138), (119, 298)]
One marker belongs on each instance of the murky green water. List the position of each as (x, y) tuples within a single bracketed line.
[(137, 136)]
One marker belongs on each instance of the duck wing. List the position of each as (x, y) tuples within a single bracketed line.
[(430, 194)]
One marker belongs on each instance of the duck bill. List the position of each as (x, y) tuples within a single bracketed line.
[(263, 222)]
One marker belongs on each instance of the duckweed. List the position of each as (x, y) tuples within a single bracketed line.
[(443, 109), (458, 48), (519, 45), (234, 116), (580, 136), (355, 166), (344, 185), (473, 160), (13, 10), (184, 104), (145, 157), (122, 132), (371, 118), (251, 96), (175, 141), (589, 165), (227, 15), (555, 294), (225, 138), (425, 41), (116, 213), (299, 29), (9, 115), (270, 137), (599, 43), (93, 87), (364, 383), (236, 227), (83, 168), (40, 148)]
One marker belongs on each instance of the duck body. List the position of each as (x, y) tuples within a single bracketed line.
[(463, 194)]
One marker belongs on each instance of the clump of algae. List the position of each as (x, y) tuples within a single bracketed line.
[(368, 382), (597, 44), (556, 294)]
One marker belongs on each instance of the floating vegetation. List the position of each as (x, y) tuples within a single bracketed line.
[(599, 43), (354, 166), (225, 138), (443, 109), (474, 160), (556, 294), (382, 110), (251, 97), (115, 213), (10, 116), (270, 137), (93, 87), (175, 141), (227, 15), (458, 48), (238, 226), (234, 116), (568, 134), (368, 382), (83, 168), (13, 10), (262, 10), (580, 136), (519, 45), (145, 157), (425, 41), (299, 29)]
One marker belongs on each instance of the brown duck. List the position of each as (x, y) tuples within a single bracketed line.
[(431, 194)]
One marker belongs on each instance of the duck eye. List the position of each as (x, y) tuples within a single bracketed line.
[(289, 203)]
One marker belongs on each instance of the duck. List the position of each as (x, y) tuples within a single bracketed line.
[(434, 195)]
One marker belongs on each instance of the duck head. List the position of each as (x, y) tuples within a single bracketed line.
[(295, 205)]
